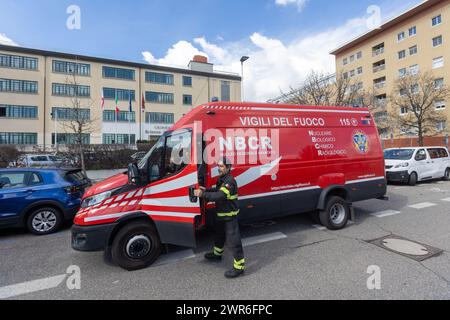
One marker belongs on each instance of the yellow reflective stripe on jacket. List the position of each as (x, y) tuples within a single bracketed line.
[(228, 194), (230, 214), (218, 251)]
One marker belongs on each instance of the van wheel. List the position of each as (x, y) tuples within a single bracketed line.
[(412, 179), (336, 214), (447, 175), (45, 220), (136, 246)]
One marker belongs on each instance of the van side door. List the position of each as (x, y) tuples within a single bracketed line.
[(421, 165), (435, 162)]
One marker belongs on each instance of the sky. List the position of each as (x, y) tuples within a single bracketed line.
[(285, 39)]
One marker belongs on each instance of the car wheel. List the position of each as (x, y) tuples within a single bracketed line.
[(45, 220), (447, 175), (136, 246), (412, 179), (336, 214)]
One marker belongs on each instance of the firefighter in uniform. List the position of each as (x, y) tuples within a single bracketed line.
[(225, 195)]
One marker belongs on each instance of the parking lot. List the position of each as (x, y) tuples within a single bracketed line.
[(289, 258)]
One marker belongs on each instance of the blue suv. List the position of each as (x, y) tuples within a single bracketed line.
[(40, 199)]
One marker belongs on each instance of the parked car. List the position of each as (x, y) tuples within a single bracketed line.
[(410, 165), (40, 160), (40, 199)]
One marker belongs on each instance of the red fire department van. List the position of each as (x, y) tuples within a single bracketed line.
[(287, 160)]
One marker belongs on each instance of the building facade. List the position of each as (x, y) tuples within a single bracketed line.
[(417, 40), (40, 89)]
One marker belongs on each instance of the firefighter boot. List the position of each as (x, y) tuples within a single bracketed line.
[(215, 256), (233, 273)]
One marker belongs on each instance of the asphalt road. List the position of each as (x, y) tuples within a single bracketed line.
[(287, 258)]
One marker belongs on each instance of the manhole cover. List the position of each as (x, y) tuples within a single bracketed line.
[(407, 248)]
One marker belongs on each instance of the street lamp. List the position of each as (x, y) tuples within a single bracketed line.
[(243, 59)]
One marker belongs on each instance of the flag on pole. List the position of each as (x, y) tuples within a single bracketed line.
[(143, 104), (117, 105), (130, 103), (103, 101)]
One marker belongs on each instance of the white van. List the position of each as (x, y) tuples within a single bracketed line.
[(410, 165)]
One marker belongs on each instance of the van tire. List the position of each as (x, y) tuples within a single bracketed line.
[(136, 246), (412, 179), (447, 175), (52, 225), (336, 213)]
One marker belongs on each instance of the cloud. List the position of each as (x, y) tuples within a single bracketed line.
[(300, 3), (274, 65), (6, 41)]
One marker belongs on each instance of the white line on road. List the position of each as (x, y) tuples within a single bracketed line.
[(31, 286), (174, 257), (385, 213), (422, 205), (446, 199), (262, 239)]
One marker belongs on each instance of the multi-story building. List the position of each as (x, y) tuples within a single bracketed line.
[(411, 42), (38, 89)]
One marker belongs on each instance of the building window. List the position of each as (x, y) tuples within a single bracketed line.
[(360, 70), (352, 73), (66, 67), (225, 91), (402, 72), (439, 83), (402, 54), (441, 125), (187, 81), (123, 116), (415, 89), (118, 73), (159, 97), (187, 99), (70, 114), (401, 36), (111, 138), (413, 50), (436, 20), (437, 41), (359, 55), (18, 86), (379, 83), (352, 58), (18, 138), (403, 110), (412, 31), (70, 90), (18, 62), (413, 70), (120, 94), (19, 112), (160, 78), (159, 117), (345, 61), (438, 62), (71, 138), (345, 75), (439, 105), (403, 92)]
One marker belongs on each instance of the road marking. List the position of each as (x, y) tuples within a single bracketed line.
[(385, 213), (174, 257), (31, 286), (446, 199), (319, 227), (251, 241), (422, 205)]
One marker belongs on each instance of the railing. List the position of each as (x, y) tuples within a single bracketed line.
[(379, 85), (377, 52), (379, 68)]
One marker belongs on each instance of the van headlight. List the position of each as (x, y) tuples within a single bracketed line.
[(402, 165), (98, 198)]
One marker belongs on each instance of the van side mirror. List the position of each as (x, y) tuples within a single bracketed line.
[(133, 174)]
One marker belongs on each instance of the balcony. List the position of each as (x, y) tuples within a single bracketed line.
[(379, 68), (379, 85), (377, 52)]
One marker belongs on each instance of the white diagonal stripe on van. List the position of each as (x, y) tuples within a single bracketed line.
[(260, 195), (365, 180), (130, 195), (255, 173), (179, 183), (309, 110), (170, 202)]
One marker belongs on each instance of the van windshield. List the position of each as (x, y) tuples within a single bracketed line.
[(398, 154)]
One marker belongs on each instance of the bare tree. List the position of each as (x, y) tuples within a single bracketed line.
[(414, 99), (79, 122)]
